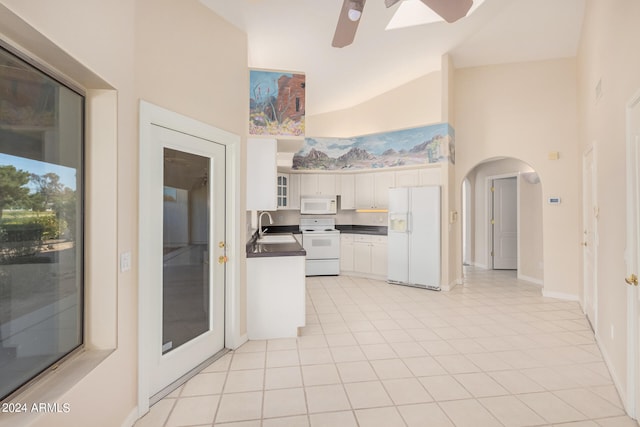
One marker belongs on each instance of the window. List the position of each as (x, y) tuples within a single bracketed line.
[(41, 222)]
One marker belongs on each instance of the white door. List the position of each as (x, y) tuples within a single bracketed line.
[(589, 238), (398, 235), (424, 243), (632, 255), (186, 186), (505, 224)]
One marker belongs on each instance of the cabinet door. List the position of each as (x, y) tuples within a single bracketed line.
[(347, 191), (294, 191), (362, 257), (364, 191), (431, 176), (308, 184), (327, 185), (410, 178), (379, 256), (346, 252), (383, 182), (282, 187), (261, 174)]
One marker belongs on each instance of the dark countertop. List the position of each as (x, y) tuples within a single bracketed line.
[(271, 229), (347, 229), (261, 250), (377, 230)]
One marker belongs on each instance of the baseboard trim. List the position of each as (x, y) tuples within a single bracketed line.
[(450, 286), (560, 295), (362, 275), (131, 418), (535, 281), (241, 340), (622, 391)]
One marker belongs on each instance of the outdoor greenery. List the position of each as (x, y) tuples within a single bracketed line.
[(31, 216)]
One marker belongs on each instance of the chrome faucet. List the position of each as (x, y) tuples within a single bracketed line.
[(260, 232)]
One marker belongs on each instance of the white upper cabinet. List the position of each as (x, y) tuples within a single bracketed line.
[(262, 174), (347, 191), (372, 189), (431, 176), (407, 178), (365, 191), (288, 189), (294, 191), (317, 184)]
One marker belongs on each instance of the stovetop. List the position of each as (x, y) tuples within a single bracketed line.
[(326, 230), (318, 225)]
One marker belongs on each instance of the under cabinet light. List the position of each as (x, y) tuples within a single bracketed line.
[(372, 210)]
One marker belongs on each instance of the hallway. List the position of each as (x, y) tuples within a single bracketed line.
[(493, 352)]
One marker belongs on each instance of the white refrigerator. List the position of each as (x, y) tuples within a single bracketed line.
[(414, 236)]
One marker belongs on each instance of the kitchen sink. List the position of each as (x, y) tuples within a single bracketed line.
[(276, 238)]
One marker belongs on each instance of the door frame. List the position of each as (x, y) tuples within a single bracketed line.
[(489, 213), (594, 216), (151, 115), (631, 255)]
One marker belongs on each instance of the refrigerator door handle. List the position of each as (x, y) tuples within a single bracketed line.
[(409, 222)]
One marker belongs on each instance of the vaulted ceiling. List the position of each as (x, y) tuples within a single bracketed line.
[(295, 35)]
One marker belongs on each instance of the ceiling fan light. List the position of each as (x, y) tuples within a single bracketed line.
[(354, 14)]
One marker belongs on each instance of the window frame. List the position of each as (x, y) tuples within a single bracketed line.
[(78, 90)]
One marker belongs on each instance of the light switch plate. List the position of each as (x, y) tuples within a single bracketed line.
[(125, 262)]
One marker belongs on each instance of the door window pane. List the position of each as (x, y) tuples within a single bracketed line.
[(41, 221), (185, 277)]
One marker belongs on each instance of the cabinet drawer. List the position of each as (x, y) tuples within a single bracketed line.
[(362, 238), (346, 238), (379, 239)]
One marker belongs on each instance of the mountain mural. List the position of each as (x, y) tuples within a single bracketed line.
[(416, 146)]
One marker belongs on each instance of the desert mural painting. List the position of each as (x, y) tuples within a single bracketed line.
[(277, 103), (408, 147)]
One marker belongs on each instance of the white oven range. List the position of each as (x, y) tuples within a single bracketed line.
[(321, 240)]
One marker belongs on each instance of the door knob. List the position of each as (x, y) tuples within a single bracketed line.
[(221, 245), (584, 243), (222, 259), (632, 280)]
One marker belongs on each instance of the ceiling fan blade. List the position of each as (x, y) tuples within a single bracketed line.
[(450, 10), (390, 3), (346, 28)]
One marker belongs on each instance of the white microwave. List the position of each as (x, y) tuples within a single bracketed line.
[(318, 205)]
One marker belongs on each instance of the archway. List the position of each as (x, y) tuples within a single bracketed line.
[(479, 246)]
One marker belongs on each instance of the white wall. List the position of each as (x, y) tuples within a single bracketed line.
[(175, 54), (525, 111), (609, 53), (416, 103), (531, 256)]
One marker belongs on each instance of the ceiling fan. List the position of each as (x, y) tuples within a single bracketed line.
[(449, 10)]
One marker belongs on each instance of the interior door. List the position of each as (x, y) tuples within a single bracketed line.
[(633, 255), (187, 297), (589, 238), (505, 224)]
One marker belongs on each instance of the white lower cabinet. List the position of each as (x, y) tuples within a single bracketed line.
[(364, 254), (379, 256), (275, 308), (346, 252)]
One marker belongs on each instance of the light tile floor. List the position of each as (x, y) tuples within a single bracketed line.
[(493, 352)]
